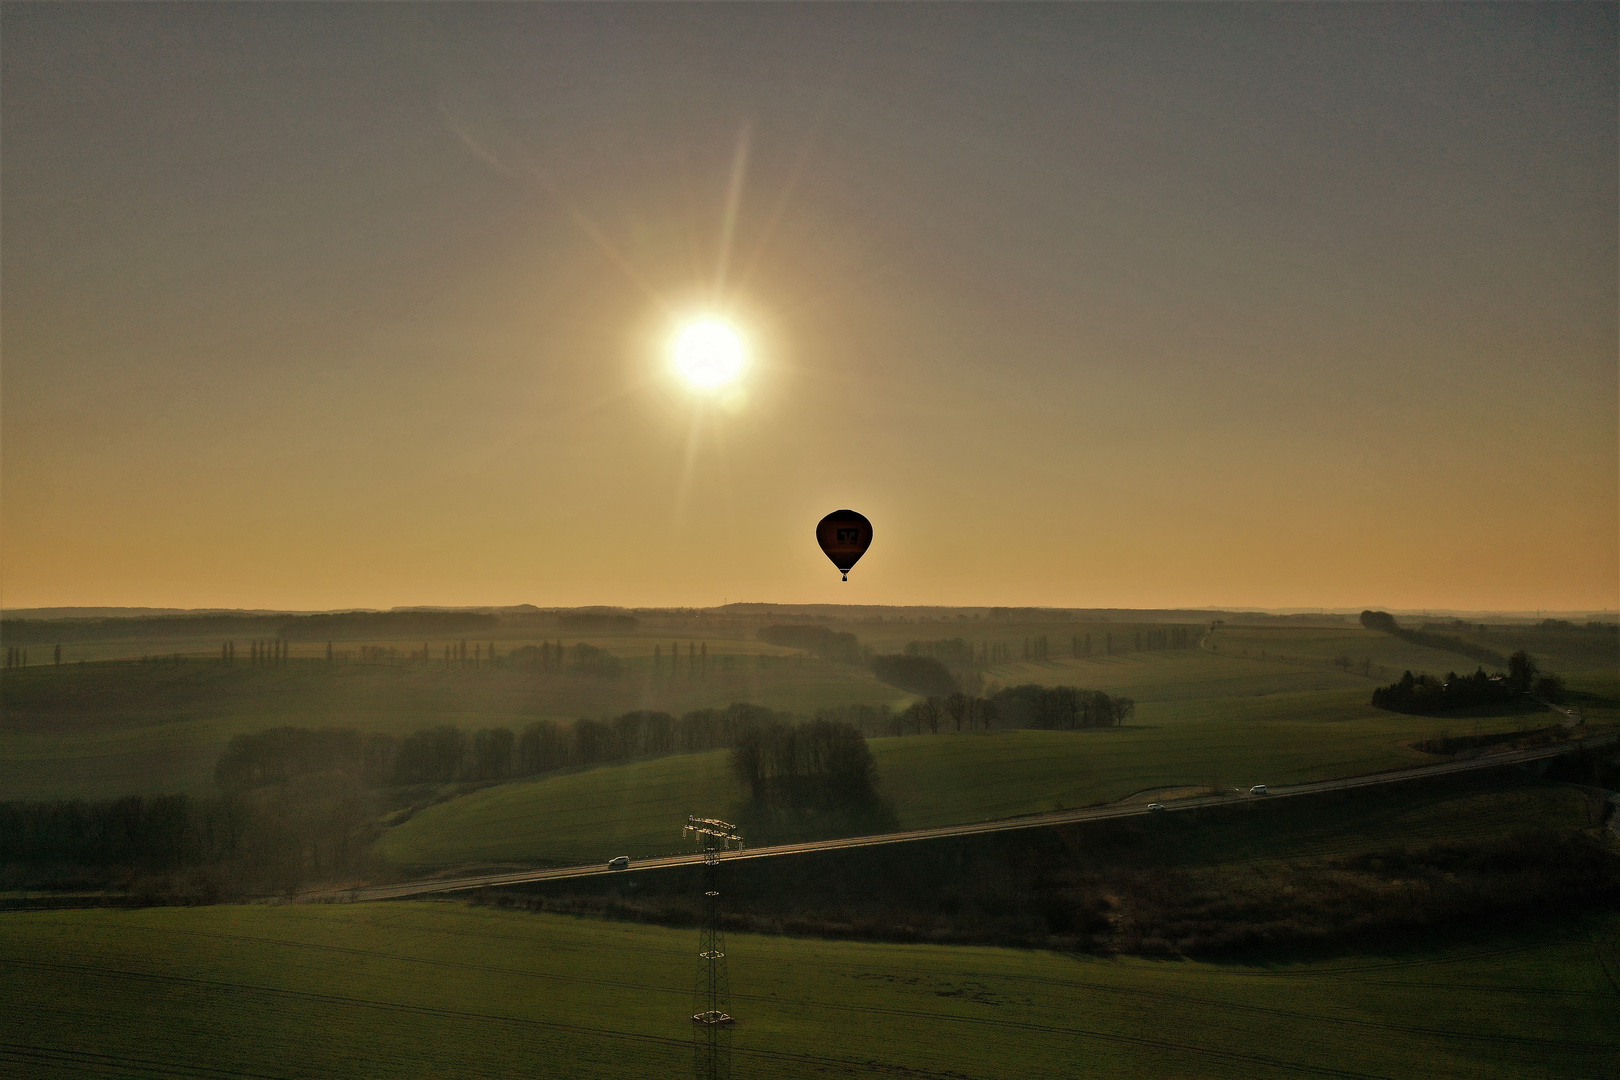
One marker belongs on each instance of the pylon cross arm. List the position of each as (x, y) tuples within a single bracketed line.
[(713, 1017)]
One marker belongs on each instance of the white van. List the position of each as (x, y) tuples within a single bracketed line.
[(1258, 789), (621, 862)]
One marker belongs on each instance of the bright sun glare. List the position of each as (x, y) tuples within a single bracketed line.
[(709, 353)]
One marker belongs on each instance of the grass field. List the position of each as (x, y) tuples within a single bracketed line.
[(434, 990), (101, 729), (107, 729), (933, 779)]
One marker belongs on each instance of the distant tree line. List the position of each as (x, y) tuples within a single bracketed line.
[(47, 631), (586, 622), (447, 754), (1384, 621), (581, 658), (387, 624), (917, 674), (1060, 708), (1049, 708), (817, 640), (1593, 626), (374, 625)]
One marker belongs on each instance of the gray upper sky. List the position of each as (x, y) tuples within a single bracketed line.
[(317, 305)]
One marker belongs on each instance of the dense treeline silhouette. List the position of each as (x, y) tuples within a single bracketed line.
[(297, 803), (48, 631), (1060, 708), (807, 779), (816, 640), (386, 624), (816, 764), (279, 755), (1384, 621), (916, 674), (161, 831), (270, 837), (446, 754), (1050, 708), (1425, 695)]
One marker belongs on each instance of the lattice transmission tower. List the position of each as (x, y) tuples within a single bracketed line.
[(711, 1022)]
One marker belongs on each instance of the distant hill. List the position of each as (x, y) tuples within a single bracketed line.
[(130, 612)]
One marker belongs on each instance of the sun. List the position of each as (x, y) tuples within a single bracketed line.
[(709, 353)]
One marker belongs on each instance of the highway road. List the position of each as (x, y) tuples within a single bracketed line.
[(1033, 821)]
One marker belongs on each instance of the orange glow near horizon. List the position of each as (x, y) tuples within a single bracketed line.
[(1075, 309)]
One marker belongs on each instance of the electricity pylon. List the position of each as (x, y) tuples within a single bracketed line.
[(711, 1023)]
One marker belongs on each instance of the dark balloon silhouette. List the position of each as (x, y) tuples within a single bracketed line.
[(844, 535)]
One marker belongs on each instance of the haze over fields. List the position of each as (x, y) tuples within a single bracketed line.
[(434, 434), (1085, 305)]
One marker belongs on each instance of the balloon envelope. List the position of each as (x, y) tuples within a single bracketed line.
[(844, 536)]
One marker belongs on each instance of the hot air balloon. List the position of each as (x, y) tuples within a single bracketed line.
[(844, 536)]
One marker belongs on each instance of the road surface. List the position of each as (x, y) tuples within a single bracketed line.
[(1032, 821)]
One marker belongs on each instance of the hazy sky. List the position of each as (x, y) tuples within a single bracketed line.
[(1147, 305)]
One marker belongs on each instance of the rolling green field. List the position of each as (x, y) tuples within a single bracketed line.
[(432, 990), (104, 729), (100, 730), (933, 779)]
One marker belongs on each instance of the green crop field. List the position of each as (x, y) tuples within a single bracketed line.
[(106, 729), (1280, 713), (433, 990), (1308, 645), (636, 809), (1177, 674), (933, 779)]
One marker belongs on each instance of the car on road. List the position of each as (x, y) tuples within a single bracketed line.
[(1258, 789), (1156, 807), (619, 862)]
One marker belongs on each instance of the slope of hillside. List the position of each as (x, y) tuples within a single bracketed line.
[(402, 991), (932, 779)]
